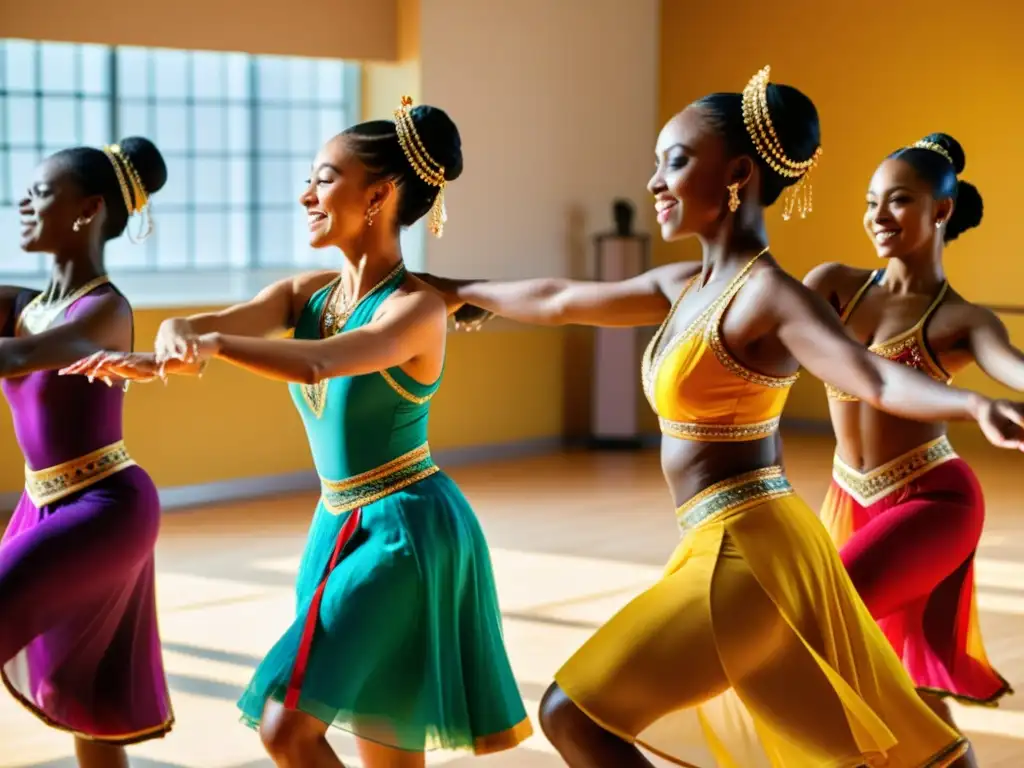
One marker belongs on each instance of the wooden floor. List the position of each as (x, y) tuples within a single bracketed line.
[(573, 537)]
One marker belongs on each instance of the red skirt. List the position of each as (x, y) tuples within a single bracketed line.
[(907, 533)]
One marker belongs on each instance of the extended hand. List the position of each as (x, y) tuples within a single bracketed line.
[(107, 366), (175, 340), (1002, 422)]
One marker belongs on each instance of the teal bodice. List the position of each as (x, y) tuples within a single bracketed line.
[(367, 422)]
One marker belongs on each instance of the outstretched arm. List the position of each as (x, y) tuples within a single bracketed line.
[(105, 324), (639, 301), (271, 312), (995, 354), (407, 328), (811, 330)]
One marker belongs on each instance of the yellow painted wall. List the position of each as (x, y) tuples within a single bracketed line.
[(881, 77)]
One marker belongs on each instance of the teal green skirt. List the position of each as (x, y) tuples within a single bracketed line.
[(408, 649)]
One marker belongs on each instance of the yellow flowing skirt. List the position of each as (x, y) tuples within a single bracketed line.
[(754, 650)]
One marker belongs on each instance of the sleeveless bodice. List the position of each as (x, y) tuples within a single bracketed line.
[(699, 391), (908, 348), (59, 418), (356, 424)]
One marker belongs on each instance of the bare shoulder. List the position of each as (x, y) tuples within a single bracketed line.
[(967, 313), (415, 295), (308, 283), (835, 277), (670, 278)]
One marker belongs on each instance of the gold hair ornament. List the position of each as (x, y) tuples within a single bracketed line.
[(758, 121), (933, 147), (136, 199), (429, 171)]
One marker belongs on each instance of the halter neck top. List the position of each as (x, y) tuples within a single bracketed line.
[(908, 348), (699, 391)]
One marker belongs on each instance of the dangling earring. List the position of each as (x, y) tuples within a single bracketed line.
[(80, 222), (734, 196), (371, 214), (938, 224)]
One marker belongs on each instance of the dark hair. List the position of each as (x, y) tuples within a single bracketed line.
[(941, 174), (794, 117), (376, 145), (94, 173)]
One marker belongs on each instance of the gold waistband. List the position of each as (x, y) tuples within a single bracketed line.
[(45, 486), (870, 487), (732, 495), (367, 487), (718, 433)]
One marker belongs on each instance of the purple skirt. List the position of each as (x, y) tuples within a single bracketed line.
[(79, 642)]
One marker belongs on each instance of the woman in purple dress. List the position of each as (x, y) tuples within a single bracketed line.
[(79, 645)]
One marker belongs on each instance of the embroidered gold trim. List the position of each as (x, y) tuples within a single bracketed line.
[(734, 366), (373, 485), (402, 391), (718, 433), (870, 487), (45, 486), (732, 494)]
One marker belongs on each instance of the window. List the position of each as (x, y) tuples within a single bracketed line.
[(238, 133)]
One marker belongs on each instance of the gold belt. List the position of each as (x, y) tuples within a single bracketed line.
[(870, 487), (718, 433), (732, 495), (45, 486), (367, 487)]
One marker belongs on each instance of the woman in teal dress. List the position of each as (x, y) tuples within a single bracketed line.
[(397, 636)]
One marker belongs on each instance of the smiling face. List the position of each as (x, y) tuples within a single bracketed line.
[(692, 173), (338, 196), (51, 206), (901, 213)]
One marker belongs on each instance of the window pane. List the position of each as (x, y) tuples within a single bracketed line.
[(96, 122), (14, 259), (5, 188), (22, 129), (171, 133), (59, 67), (239, 184), (171, 239), (332, 122), (60, 121), (238, 75), (238, 249), (301, 78), (302, 254), (210, 184), (20, 66), (23, 164), (275, 243), (171, 74), (329, 81), (238, 130), (211, 240), (122, 253), (272, 77), (276, 182), (95, 69), (175, 192), (207, 75), (304, 131), (273, 129), (132, 72), (133, 120), (208, 127)]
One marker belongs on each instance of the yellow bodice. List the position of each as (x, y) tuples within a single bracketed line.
[(699, 391)]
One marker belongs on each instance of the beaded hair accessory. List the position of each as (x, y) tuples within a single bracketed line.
[(136, 199), (933, 147), (429, 171), (758, 122)]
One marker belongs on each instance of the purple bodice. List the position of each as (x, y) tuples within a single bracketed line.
[(59, 418)]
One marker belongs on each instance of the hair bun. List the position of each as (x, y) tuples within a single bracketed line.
[(440, 137), (795, 120), (952, 147), (148, 162)]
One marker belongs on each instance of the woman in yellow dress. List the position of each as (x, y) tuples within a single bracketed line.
[(754, 649)]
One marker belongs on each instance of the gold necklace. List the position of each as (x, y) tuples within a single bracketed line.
[(337, 309), (39, 314)]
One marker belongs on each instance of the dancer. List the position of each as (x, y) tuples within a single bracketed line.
[(398, 635), (79, 644), (755, 605), (905, 510)]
